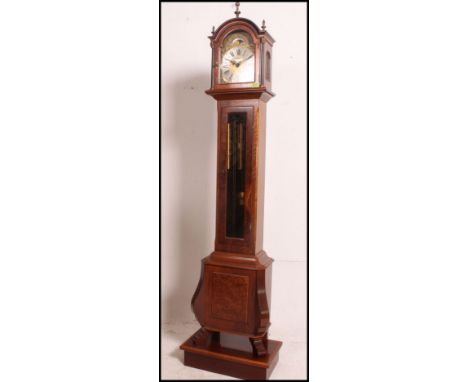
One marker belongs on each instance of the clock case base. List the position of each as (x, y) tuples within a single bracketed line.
[(205, 350), (233, 338)]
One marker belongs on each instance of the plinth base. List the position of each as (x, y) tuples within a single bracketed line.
[(235, 363)]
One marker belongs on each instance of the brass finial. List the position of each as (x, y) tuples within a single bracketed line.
[(213, 30), (237, 12), (263, 25)]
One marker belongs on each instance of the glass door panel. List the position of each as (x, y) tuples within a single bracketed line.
[(236, 143)]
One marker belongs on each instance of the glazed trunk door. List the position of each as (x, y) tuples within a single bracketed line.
[(234, 196)]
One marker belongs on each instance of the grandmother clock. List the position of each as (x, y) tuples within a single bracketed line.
[(233, 297)]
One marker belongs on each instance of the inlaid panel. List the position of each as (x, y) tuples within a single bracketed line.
[(229, 297)]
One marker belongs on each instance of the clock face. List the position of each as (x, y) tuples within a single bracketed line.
[(237, 59)]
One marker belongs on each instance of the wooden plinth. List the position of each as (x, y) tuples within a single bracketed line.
[(236, 363)]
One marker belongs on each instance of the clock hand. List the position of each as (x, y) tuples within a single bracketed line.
[(245, 59), (235, 63)]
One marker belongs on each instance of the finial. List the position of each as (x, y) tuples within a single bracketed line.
[(213, 30), (263, 25), (237, 12)]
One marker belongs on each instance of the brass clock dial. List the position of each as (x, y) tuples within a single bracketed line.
[(237, 59)]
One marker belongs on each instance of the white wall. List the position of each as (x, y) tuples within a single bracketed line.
[(189, 153), (389, 186), (78, 191)]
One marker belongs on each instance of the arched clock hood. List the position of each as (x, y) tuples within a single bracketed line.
[(261, 86), (220, 32)]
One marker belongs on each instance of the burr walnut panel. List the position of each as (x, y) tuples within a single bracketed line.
[(230, 297)]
